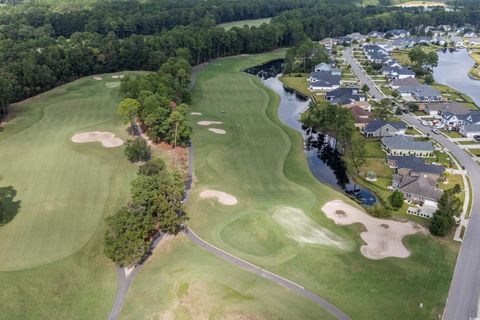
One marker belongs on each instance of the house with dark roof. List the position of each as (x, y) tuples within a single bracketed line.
[(398, 33), (361, 116), (420, 93), (414, 166), (470, 130), (345, 95), (324, 80), (456, 120), (402, 145), (380, 128)]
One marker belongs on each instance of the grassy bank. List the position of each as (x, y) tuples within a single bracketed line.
[(242, 23), (297, 82)]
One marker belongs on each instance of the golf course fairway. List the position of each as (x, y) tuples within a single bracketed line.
[(277, 222)]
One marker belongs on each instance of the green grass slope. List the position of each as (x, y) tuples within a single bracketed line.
[(278, 223), (50, 253)]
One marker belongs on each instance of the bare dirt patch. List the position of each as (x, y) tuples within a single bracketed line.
[(97, 78), (301, 228), (208, 123), (107, 139), (383, 237), (222, 197), (217, 131)]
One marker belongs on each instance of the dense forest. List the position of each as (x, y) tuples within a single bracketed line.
[(42, 46)]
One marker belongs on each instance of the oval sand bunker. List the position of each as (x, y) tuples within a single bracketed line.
[(222, 197), (383, 237), (107, 139), (196, 113), (217, 131), (207, 123)]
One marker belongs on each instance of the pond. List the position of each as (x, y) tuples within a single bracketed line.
[(323, 158), (452, 70)]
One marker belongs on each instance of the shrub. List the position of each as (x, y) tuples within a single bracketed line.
[(379, 211), (137, 150), (396, 199)]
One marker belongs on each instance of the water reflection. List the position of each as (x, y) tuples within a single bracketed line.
[(323, 157)]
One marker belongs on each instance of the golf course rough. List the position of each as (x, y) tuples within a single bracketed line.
[(261, 162)]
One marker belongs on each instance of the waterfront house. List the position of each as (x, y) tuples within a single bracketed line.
[(437, 109), (345, 95), (324, 81), (379, 128), (414, 166), (398, 33), (408, 81), (417, 189), (402, 145), (361, 116)]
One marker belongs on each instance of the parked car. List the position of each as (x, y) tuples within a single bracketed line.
[(425, 123), (477, 138), (436, 131)]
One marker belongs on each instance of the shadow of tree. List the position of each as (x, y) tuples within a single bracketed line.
[(8, 206)]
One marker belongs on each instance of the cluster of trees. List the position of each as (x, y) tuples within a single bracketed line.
[(449, 206), (155, 101), (423, 63), (9, 207), (156, 205), (339, 123), (304, 57), (137, 150)]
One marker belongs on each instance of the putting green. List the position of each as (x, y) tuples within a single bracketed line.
[(65, 189), (260, 161)]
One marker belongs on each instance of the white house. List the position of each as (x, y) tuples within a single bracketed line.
[(470, 130)]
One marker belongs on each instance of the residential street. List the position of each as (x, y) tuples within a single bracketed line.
[(361, 75), (463, 301)]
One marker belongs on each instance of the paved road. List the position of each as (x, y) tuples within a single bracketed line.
[(464, 295), (361, 75), (339, 314)]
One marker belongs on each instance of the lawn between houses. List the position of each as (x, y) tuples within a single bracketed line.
[(260, 161)]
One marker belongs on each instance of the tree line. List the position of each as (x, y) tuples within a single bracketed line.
[(42, 48)]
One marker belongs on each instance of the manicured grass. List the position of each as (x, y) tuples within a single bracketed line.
[(242, 23), (453, 134), (468, 142), (51, 253), (475, 152), (184, 282), (413, 131), (260, 161), (299, 84), (455, 95), (443, 158), (452, 180)]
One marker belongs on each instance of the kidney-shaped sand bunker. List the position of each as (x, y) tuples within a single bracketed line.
[(107, 139)]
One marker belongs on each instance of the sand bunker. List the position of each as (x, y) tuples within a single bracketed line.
[(383, 237), (196, 113), (115, 76), (222, 197), (301, 228), (207, 123), (107, 139), (112, 84), (97, 78), (217, 131)]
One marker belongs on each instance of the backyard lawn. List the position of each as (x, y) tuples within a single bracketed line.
[(299, 84), (455, 95)]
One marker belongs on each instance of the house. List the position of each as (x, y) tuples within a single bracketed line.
[(361, 116), (427, 210), (475, 41), (380, 128), (402, 145), (408, 81), (398, 33), (376, 34), (423, 40), (402, 73), (324, 81), (417, 189), (345, 95), (456, 120), (470, 130), (414, 166), (420, 93), (365, 105), (403, 43), (328, 43), (439, 40), (437, 109), (457, 41)]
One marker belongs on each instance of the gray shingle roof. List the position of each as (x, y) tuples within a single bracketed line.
[(416, 164), (378, 123), (420, 186), (407, 143), (410, 81)]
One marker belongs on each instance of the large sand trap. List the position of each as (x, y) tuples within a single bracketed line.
[(222, 197), (115, 76), (107, 139), (97, 78), (217, 131), (196, 113), (301, 228), (207, 123), (383, 237)]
